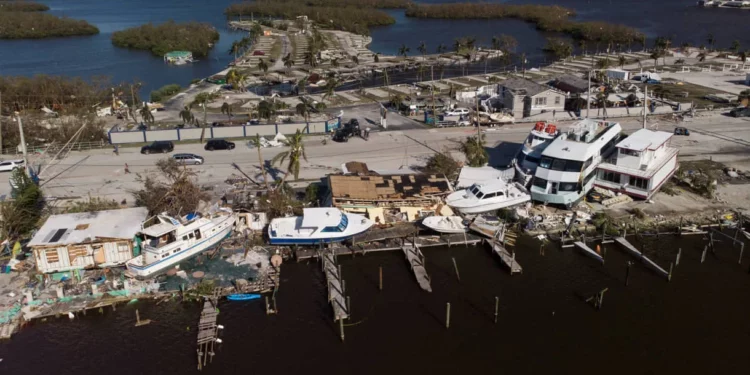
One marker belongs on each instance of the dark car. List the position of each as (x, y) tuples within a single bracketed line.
[(681, 131), (158, 147), (740, 112), (219, 144), (340, 136)]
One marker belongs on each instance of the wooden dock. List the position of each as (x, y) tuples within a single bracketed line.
[(207, 331), (416, 261), (335, 286), (648, 262), (507, 259), (587, 251), (457, 239)]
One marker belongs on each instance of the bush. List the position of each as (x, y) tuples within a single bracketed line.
[(22, 6), (165, 92), (443, 163), (173, 190), (35, 25), (21, 215), (195, 37)]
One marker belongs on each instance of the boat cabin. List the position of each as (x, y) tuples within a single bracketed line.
[(644, 161), (313, 221), (164, 235)]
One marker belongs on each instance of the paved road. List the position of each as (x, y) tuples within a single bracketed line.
[(101, 173)]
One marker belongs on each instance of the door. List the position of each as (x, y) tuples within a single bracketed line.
[(553, 188)]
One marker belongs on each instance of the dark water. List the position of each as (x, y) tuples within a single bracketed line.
[(96, 56), (696, 324)]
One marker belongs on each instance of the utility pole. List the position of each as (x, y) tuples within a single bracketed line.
[(1, 123), (588, 96), (23, 140), (645, 99)]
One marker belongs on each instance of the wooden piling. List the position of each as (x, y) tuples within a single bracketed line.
[(380, 285), (497, 305), (742, 250), (341, 329), (448, 315), (348, 307), (455, 266), (671, 267), (627, 273), (703, 256), (679, 254), (679, 229), (268, 306)]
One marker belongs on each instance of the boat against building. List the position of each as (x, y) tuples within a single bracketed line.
[(317, 225), (488, 196), (642, 163), (168, 241), (530, 153), (568, 165)]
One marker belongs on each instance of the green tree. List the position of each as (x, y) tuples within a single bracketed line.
[(288, 62), (302, 110), (236, 79), (474, 151), (441, 48), (235, 49), (330, 88), (266, 110), (256, 142), (187, 116), (711, 40), (302, 84), (735, 45), (294, 155), (603, 63), (422, 49), (262, 65), (22, 214), (443, 163), (495, 42), (622, 60), (335, 63), (146, 115), (743, 58), (403, 50), (227, 110)]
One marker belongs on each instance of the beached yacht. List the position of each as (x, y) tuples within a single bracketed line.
[(168, 241), (531, 151), (643, 162), (317, 225), (489, 196), (568, 165)]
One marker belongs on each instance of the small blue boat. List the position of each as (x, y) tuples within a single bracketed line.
[(243, 297)]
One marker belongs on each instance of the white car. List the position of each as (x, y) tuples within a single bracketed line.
[(457, 112), (188, 159), (9, 165)]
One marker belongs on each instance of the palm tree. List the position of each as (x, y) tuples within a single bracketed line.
[(495, 41), (523, 63), (622, 60), (302, 84), (255, 142), (335, 63), (441, 48), (702, 57), (288, 62), (403, 50), (474, 151), (355, 59), (236, 79), (735, 45), (582, 46), (458, 44), (235, 48), (186, 115), (422, 49), (265, 110), (295, 154), (603, 63), (655, 55), (311, 58), (146, 115), (330, 88), (743, 58), (303, 111), (711, 40), (227, 110), (262, 65)]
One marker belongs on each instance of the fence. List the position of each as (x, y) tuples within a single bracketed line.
[(240, 131)]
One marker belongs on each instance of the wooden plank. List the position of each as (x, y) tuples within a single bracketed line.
[(587, 251), (335, 289), (416, 262), (507, 259)]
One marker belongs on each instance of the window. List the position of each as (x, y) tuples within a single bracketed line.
[(610, 176), (557, 100), (558, 165), (532, 159), (184, 238), (546, 163), (568, 186), (191, 236), (540, 101), (625, 151), (52, 256), (589, 177), (540, 183), (123, 247), (164, 255), (197, 234), (640, 183), (587, 163), (573, 166), (490, 195)]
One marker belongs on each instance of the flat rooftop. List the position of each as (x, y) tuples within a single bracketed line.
[(644, 139)]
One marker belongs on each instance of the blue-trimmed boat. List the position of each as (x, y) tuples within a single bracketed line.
[(317, 225)]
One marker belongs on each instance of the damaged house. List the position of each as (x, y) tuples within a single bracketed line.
[(390, 198), (87, 240)]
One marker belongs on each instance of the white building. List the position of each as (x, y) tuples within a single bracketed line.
[(526, 98), (642, 164), (87, 239)]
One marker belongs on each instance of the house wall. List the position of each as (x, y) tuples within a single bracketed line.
[(667, 170), (51, 259), (550, 105)]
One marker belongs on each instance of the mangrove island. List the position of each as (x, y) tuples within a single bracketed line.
[(195, 37), (25, 20)]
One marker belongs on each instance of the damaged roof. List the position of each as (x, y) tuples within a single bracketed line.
[(524, 86), (83, 227), (384, 187)]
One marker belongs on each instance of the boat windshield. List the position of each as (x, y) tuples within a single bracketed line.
[(474, 190), (339, 228)]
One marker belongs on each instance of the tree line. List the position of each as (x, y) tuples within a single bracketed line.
[(65, 95), (354, 19), (36, 25), (550, 18), (195, 37), (376, 4), (22, 6)]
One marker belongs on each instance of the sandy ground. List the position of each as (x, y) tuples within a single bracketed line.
[(102, 173)]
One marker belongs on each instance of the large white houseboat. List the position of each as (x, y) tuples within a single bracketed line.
[(568, 165), (643, 162), (531, 151), (168, 241), (317, 225)]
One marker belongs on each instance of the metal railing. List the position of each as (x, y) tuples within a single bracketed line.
[(54, 148)]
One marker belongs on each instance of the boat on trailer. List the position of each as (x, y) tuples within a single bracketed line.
[(445, 224), (168, 241), (316, 226)]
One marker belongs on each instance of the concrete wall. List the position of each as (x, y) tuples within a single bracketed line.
[(242, 131)]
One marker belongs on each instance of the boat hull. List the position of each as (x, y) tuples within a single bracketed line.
[(434, 223), (163, 264), (480, 209), (308, 241)]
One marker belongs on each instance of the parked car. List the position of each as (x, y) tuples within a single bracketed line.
[(219, 144), (457, 112), (740, 112), (188, 159), (681, 131), (9, 165), (158, 147)]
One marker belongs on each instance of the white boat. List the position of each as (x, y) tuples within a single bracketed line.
[(531, 152), (489, 196), (568, 165), (445, 224), (487, 226), (317, 225), (168, 241)]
